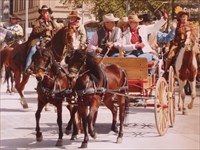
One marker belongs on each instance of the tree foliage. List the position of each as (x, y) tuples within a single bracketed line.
[(119, 7)]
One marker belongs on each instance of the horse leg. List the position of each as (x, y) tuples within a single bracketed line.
[(193, 94), (59, 122), (39, 136), (121, 103), (69, 124), (92, 115), (109, 104), (7, 76), (25, 78), (83, 110), (182, 96), (12, 82)]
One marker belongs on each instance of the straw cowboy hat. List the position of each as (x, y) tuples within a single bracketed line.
[(45, 7), (181, 13), (123, 20), (13, 16), (109, 17), (134, 18), (74, 13)]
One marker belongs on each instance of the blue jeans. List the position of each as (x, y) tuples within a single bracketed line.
[(31, 53)]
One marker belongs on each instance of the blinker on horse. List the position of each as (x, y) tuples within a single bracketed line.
[(95, 83)]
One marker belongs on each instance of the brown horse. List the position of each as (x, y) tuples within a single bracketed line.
[(15, 59), (53, 87), (186, 68), (95, 83)]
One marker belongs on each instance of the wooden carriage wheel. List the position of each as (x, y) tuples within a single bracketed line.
[(172, 108), (162, 106)]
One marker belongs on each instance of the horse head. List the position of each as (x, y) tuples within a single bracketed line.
[(43, 61), (76, 62)]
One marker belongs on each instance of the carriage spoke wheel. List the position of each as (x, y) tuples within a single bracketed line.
[(172, 108), (161, 106)]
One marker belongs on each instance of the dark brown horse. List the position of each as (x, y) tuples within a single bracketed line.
[(53, 87), (16, 59), (95, 83)]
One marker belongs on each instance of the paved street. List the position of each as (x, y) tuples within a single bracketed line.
[(18, 127)]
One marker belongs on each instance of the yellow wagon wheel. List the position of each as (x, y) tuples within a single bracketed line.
[(162, 106), (172, 108)]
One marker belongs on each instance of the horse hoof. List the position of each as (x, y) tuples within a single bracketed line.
[(83, 145), (67, 131), (13, 90), (114, 129), (39, 139), (119, 140), (8, 91), (93, 135), (190, 106), (59, 142), (184, 112), (74, 137)]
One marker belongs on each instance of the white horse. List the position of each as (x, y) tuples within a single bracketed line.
[(186, 69)]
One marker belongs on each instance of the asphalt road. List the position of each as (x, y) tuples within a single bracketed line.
[(18, 127)]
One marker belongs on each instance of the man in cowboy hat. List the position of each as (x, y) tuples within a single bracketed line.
[(13, 29), (135, 43), (179, 39), (43, 29), (74, 22), (106, 40)]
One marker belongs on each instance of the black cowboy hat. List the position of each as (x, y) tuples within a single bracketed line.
[(146, 18), (181, 13), (45, 7), (13, 16)]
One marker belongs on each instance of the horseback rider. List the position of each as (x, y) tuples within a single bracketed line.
[(13, 31), (42, 32), (183, 27), (107, 38), (80, 33)]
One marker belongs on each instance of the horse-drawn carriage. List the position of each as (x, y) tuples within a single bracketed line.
[(151, 89)]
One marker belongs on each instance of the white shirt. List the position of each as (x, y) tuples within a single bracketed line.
[(144, 31)]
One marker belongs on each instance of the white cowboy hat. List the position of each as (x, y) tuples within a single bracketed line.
[(109, 17), (134, 18), (122, 21)]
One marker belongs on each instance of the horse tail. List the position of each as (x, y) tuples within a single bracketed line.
[(3, 58), (126, 92)]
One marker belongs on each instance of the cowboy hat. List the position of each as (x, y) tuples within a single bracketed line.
[(123, 20), (146, 18), (45, 7), (181, 13), (109, 17), (74, 13), (134, 18), (13, 16)]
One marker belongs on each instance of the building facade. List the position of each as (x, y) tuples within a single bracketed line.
[(60, 10)]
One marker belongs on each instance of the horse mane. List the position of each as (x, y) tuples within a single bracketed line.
[(94, 67)]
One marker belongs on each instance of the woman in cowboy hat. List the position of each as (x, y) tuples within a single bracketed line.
[(74, 22), (108, 37), (14, 30), (42, 28), (135, 43)]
